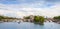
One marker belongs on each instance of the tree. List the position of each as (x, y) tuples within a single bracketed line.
[(36, 19), (57, 17), (28, 17), (5, 17), (39, 19), (1, 17)]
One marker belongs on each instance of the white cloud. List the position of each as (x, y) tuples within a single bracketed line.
[(28, 9)]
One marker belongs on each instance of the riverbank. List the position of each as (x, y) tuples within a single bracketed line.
[(57, 21), (15, 20), (1, 21)]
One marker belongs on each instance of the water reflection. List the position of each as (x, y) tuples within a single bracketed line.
[(28, 25)]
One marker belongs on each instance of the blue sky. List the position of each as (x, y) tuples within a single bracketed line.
[(19, 8)]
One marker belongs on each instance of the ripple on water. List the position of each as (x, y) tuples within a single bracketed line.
[(27, 25)]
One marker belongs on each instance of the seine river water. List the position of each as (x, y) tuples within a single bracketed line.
[(28, 25)]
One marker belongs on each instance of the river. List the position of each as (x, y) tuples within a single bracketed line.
[(28, 25)]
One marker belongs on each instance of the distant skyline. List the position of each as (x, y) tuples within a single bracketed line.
[(19, 8)]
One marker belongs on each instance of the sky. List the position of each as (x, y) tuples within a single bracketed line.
[(20, 8)]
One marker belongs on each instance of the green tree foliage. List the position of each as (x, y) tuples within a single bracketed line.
[(1, 17), (28, 17), (5, 17), (36, 18), (57, 17), (39, 19)]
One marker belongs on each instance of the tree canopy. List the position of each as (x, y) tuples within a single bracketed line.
[(6, 17), (27, 17), (57, 17), (39, 19)]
